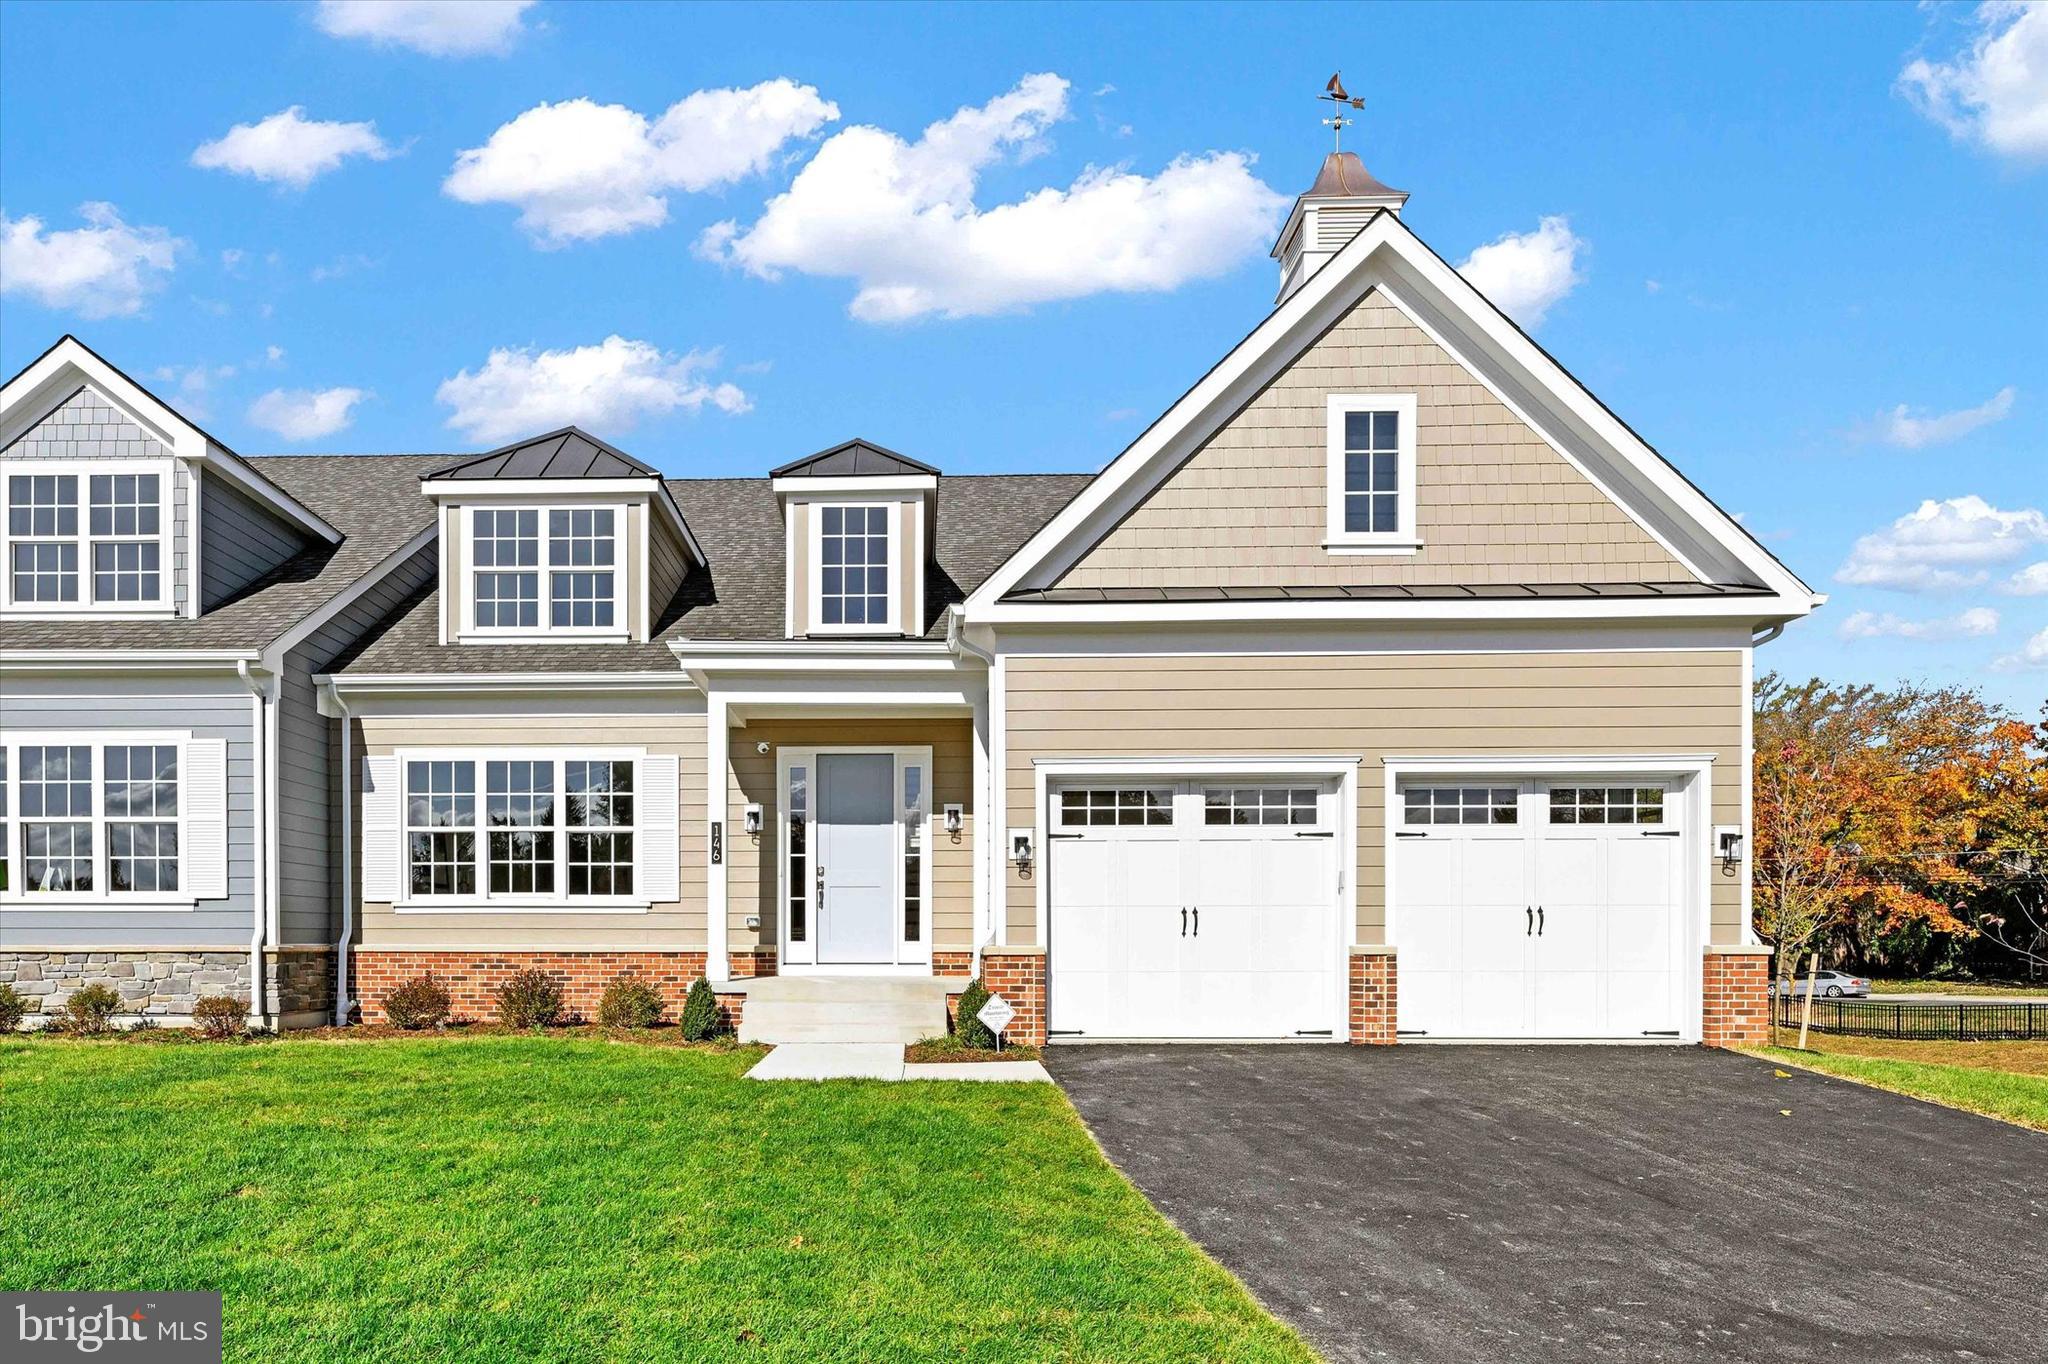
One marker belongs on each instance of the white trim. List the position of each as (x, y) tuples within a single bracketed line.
[(491, 489), (1694, 770), (1310, 639), (912, 955), (1402, 539), (87, 606), (126, 660), (717, 809), (194, 538), (831, 487), (1748, 789), (790, 587), (1429, 611), (561, 901)]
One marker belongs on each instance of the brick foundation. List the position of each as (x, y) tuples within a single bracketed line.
[(1018, 975), (951, 964), (473, 978), (1374, 984), (746, 963), (1735, 1000)]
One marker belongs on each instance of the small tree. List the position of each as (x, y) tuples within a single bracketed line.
[(630, 1001), (529, 999), (971, 1031), (421, 1002), (13, 1008), (221, 1016), (700, 1012), (91, 1010)]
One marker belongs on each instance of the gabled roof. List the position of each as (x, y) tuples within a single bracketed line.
[(855, 458), (1387, 256), (58, 373), (566, 453)]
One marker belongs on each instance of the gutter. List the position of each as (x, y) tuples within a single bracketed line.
[(260, 891)]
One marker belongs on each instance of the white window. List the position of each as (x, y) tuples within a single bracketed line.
[(1097, 806), (1460, 805), (572, 551), (101, 819), (1240, 805), (1606, 805), (856, 569), (89, 536), (554, 831), (1371, 445)]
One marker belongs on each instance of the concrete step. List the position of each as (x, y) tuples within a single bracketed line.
[(877, 1009)]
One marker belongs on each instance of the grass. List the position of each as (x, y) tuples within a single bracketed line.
[(573, 1199), (1956, 987), (2007, 1080)]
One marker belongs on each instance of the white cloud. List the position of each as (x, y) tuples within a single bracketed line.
[(2032, 654), (305, 413), (439, 28), (606, 387), (289, 149), (1995, 95), (1974, 623), (104, 269), (1526, 273), (579, 169), (1909, 431), (195, 386), (1943, 545), (899, 218), (2031, 581)]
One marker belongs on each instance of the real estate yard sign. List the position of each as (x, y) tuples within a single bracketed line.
[(996, 1015)]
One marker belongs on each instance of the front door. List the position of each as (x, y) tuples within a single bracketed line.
[(855, 836)]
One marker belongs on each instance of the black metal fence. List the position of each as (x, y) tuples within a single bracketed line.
[(1961, 1020)]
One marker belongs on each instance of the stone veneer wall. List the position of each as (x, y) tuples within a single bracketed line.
[(1374, 982), (159, 983)]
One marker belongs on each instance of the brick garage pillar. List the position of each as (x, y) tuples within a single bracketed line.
[(1735, 997), (1018, 975), (1373, 987)]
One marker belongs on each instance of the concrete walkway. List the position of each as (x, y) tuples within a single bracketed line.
[(879, 1061)]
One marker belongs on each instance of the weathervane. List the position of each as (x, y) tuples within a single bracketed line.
[(1337, 95)]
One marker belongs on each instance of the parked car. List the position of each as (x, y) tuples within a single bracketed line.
[(1833, 984)]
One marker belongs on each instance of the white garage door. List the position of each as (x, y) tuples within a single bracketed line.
[(1539, 909), (1193, 909)]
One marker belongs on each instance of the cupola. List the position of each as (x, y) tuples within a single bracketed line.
[(1325, 218)]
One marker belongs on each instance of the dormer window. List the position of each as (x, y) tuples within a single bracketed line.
[(1371, 439), (577, 558), (854, 557), (581, 551), (859, 520), (79, 539)]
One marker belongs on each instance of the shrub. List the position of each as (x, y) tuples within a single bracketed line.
[(91, 1010), (700, 1012), (221, 1016), (13, 1008), (970, 1030), (630, 1001), (421, 1002), (529, 999)]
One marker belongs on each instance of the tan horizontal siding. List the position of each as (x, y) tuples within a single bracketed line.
[(675, 925), (752, 883), (1479, 705), (1495, 503)]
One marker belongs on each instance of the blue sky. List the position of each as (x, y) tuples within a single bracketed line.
[(1803, 250)]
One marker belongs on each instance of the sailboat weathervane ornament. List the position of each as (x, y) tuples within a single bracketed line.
[(1339, 96)]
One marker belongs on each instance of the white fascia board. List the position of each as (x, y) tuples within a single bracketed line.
[(25, 661), (1544, 764), (273, 655), (570, 492), (384, 684), (1326, 640), (1275, 342), (826, 487), (799, 656), (1414, 612)]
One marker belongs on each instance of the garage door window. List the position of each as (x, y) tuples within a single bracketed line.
[(1095, 807), (1606, 805), (1460, 805), (1259, 805)]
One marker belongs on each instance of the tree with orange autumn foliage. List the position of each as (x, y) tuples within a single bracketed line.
[(1870, 806), (2013, 911)]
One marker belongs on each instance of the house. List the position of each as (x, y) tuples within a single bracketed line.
[(1387, 686)]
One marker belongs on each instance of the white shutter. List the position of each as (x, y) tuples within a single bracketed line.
[(659, 828), (205, 794), (381, 842)]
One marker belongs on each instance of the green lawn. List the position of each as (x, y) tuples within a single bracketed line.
[(547, 1198), (1981, 1082), (1956, 987)]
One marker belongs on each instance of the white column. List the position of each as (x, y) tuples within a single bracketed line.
[(715, 796), (984, 831), (998, 805)]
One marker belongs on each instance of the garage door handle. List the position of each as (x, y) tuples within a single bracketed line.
[(1198, 921), (1539, 921), (1183, 921), (1529, 922)]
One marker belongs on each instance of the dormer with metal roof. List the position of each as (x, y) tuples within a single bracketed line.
[(859, 521), (559, 537)]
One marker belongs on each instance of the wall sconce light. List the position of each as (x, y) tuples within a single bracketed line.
[(753, 923), (1020, 848), (1728, 845), (761, 747), (955, 817), (754, 819)]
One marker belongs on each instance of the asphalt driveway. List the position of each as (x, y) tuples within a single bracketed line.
[(1453, 1205)]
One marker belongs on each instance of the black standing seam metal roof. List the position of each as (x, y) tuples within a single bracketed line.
[(567, 453), (852, 459)]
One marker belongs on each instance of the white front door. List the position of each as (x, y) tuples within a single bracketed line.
[(854, 830), (1191, 909), (1529, 909)]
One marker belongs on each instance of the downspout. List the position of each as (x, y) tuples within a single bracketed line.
[(260, 889), (987, 840), (342, 999), (1770, 633)]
